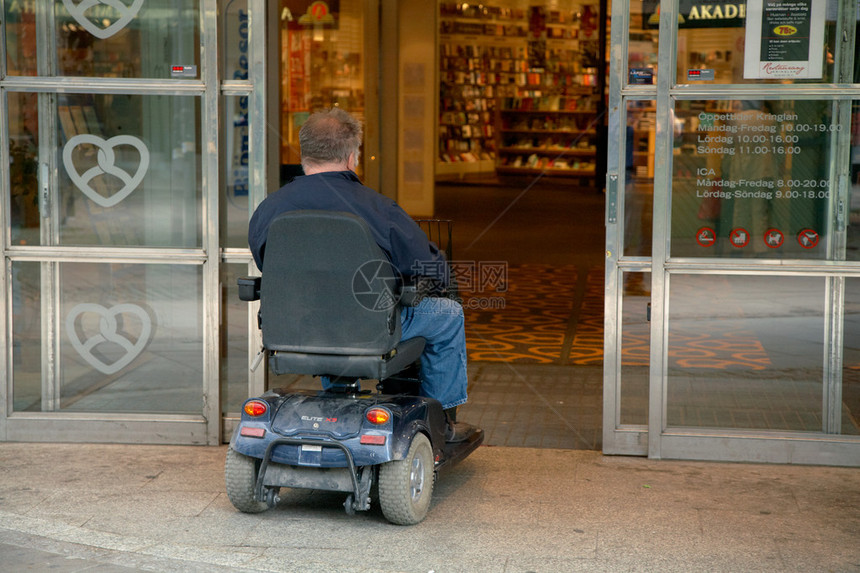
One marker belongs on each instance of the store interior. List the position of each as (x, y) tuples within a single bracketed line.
[(521, 94)]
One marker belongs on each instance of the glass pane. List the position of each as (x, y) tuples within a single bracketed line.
[(20, 24), (322, 63), (128, 38), (751, 179), (642, 42), (746, 352), (24, 167), (853, 223), (639, 177), (130, 170), (234, 345), (235, 176), (738, 43), (131, 338), (26, 287), (234, 27), (850, 412), (635, 348)]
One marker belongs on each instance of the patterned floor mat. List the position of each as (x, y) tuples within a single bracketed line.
[(554, 315), (525, 319), (542, 315)]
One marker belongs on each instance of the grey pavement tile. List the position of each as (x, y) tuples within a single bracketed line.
[(16, 558)]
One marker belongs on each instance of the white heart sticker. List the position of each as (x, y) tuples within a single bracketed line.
[(110, 332), (110, 21), (106, 165)]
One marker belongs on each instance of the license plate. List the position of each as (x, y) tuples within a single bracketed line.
[(311, 448)]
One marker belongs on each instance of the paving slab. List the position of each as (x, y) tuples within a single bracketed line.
[(79, 507)]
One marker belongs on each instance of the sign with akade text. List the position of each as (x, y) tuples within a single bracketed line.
[(699, 14)]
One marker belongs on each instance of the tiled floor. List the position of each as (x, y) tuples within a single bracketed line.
[(539, 406), (535, 365)]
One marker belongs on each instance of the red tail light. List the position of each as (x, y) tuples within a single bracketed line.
[(255, 408), (378, 415)]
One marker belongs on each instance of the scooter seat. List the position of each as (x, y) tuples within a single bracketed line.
[(348, 365)]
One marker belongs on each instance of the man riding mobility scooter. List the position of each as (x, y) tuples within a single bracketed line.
[(330, 306)]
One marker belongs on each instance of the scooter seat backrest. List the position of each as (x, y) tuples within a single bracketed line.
[(327, 287)]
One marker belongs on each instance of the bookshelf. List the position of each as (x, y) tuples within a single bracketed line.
[(518, 89)]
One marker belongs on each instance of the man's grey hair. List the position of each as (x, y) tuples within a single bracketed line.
[(329, 136)]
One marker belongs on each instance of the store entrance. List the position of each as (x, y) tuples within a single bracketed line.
[(519, 156), (527, 238), (533, 307)]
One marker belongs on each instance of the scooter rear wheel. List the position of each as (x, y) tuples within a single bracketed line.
[(406, 486), (240, 476)]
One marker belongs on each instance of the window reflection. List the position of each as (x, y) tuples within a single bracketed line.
[(850, 406), (635, 349), (23, 167), (713, 38), (741, 357), (129, 170), (853, 230), (20, 28), (26, 289), (639, 177), (128, 343), (235, 38), (127, 39), (642, 42), (235, 173), (234, 341), (752, 179)]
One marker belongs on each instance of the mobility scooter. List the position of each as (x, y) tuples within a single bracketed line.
[(330, 305)]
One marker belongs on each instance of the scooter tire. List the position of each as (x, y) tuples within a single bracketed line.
[(406, 486), (240, 476)]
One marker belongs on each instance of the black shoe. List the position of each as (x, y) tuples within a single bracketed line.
[(459, 432)]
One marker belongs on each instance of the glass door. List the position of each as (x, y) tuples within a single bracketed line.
[(109, 277), (630, 192), (753, 264)]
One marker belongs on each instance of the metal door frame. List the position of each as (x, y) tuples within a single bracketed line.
[(657, 440)]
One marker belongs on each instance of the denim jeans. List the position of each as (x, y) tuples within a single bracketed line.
[(440, 322)]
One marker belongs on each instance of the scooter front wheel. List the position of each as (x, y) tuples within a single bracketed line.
[(406, 486), (240, 475)]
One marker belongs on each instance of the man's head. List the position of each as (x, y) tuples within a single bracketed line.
[(330, 141)]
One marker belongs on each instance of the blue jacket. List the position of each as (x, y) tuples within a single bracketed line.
[(394, 231)]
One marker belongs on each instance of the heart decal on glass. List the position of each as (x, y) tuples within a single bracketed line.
[(106, 165), (125, 13), (111, 335)]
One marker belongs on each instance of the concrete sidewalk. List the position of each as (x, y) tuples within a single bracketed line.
[(118, 508)]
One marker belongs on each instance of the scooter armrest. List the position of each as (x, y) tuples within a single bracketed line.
[(249, 288), (412, 294)]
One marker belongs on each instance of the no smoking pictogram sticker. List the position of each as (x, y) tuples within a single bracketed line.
[(808, 239), (706, 237)]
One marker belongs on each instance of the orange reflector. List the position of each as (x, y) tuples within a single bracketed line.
[(378, 415), (253, 432), (255, 408), (372, 440)]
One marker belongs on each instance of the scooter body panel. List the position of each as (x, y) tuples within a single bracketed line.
[(327, 416)]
